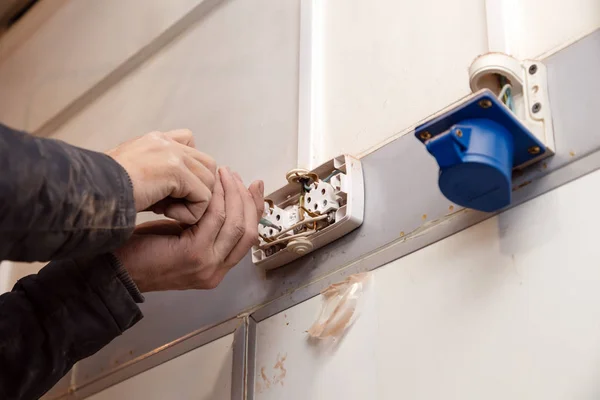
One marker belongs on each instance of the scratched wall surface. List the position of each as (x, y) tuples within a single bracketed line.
[(508, 308), (185, 377)]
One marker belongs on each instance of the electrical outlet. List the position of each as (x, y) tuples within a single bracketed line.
[(505, 125), (315, 208)]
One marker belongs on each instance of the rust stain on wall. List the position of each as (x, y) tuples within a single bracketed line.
[(522, 185), (265, 378), (278, 375), (279, 365)]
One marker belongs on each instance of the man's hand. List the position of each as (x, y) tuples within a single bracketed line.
[(166, 255), (169, 175)]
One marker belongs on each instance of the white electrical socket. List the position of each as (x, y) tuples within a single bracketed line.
[(303, 220)]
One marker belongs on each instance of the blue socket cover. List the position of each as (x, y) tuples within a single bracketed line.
[(476, 145)]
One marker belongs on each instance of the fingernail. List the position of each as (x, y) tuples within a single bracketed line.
[(261, 187)]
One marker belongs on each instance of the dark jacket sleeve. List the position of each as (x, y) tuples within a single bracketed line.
[(68, 311), (59, 201)]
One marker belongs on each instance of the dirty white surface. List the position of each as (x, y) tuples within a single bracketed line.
[(291, 366), (507, 309), (201, 374)]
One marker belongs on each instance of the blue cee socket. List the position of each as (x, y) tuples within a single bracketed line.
[(477, 144)]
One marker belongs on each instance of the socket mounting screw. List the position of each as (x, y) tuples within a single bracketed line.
[(485, 103), (533, 150)]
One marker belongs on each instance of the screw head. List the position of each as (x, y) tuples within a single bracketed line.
[(459, 133), (425, 135), (533, 69), (536, 108), (533, 150), (485, 103)]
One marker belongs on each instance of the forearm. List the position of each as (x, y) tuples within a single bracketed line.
[(68, 311), (64, 201)]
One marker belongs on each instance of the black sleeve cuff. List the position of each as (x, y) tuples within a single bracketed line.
[(125, 278)]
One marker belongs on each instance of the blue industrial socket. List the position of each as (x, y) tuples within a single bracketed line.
[(476, 145)]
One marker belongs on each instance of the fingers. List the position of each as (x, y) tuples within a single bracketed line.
[(207, 229), (165, 165), (183, 136), (204, 159), (228, 228), (257, 190), (199, 169), (234, 227), (195, 197), (195, 192), (195, 188), (251, 217)]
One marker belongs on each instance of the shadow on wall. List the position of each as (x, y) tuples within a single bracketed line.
[(521, 229)]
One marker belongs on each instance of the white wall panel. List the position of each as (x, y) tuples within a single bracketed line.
[(201, 374), (388, 64), (232, 79), (543, 26), (76, 47), (507, 309)]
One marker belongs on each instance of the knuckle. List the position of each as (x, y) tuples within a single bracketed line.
[(204, 274), (213, 282), (246, 194), (208, 278), (210, 183), (153, 135), (205, 195), (187, 133), (211, 164), (208, 198), (157, 138), (238, 228), (175, 163), (220, 217)]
